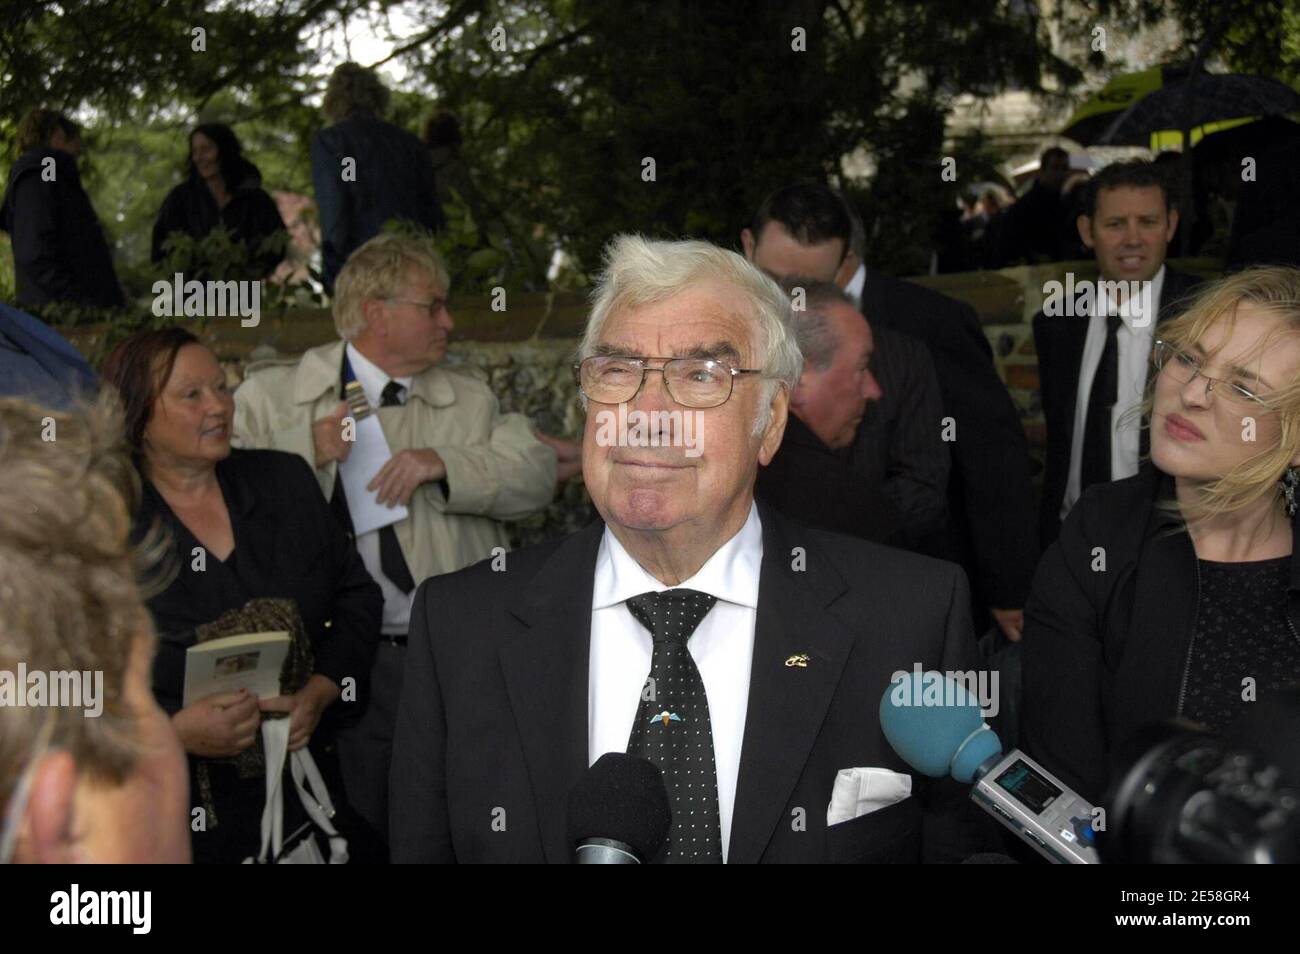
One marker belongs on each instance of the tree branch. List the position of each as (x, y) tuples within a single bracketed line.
[(455, 16)]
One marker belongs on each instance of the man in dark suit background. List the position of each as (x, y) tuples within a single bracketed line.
[(807, 229), (1093, 354), (771, 643), (840, 392), (1034, 229)]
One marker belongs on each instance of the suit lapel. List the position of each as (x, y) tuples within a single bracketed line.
[(256, 524), (1173, 294), (546, 674), (787, 704), (873, 304), (1073, 336)]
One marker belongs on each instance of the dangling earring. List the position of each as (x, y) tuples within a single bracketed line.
[(1290, 481)]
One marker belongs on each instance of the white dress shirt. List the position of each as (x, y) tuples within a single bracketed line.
[(1133, 338), (722, 647), (397, 605), (858, 282)]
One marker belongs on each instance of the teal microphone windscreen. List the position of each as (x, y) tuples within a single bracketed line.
[(936, 726)]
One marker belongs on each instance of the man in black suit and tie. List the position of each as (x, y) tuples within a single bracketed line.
[(1094, 350), (984, 518), (812, 477), (771, 642)]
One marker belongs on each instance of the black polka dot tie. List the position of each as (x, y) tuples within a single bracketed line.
[(672, 727)]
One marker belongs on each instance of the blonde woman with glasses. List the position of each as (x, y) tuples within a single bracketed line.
[(1176, 593)]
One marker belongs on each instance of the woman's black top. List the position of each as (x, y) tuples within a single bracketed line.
[(1122, 628), (251, 217), (287, 545), (1243, 642)]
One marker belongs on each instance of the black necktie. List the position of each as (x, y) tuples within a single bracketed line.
[(391, 560), (672, 727), (1095, 463)]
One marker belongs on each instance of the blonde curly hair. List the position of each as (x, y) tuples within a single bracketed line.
[(68, 594)]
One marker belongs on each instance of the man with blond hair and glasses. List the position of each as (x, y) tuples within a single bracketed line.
[(455, 463)]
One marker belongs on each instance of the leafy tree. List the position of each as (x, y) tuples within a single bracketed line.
[(563, 101)]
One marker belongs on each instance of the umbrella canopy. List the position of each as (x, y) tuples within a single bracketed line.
[(1251, 139), (1100, 109), (1199, 100)]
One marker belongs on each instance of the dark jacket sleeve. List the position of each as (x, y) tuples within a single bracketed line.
[(36, 236), (331, 206), (358, 603), (846, 499), (435, 219), (916, 475), (419, 823), (1062, 721), (164, 225), (991, 463), (1049, 518), (263, 222), (952, 826)]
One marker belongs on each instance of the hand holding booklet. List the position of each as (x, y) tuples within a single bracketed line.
[(251, 661)]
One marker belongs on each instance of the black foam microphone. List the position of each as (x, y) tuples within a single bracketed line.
[(618, 812)]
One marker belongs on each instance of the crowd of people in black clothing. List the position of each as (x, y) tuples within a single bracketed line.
[(882, 418), (59, 245)]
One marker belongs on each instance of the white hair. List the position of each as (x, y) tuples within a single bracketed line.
[(640, 271)]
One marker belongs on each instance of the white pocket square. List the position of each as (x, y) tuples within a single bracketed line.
[(860, 791)]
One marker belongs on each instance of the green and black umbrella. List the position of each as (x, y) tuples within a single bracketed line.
[(1150, 108)]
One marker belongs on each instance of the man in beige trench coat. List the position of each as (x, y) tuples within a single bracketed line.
[(456, 463)]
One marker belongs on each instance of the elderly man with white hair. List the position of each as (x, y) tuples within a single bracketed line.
[(742, 653), (449, 457)]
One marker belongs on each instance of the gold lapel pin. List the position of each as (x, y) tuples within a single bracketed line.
[(798, 659)]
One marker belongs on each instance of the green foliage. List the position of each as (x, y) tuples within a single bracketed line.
[(118, 323), (215, 257), (141, 55), (8, 291), (1249, 36), (561, 108), (475, 268), (218, 256)]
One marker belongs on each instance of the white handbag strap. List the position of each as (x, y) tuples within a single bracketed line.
[(275, 742), (317, 802), (319, 805)]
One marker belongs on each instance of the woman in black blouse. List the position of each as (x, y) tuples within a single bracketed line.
[(223, 188), (264, 530), (1176, 593)]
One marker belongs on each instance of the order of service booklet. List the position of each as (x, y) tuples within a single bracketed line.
[(249, 661)]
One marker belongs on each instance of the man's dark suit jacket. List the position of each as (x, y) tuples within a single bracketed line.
[(990, 496), (809, 481), (1059, 342), (494, 713), (899, 448)]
